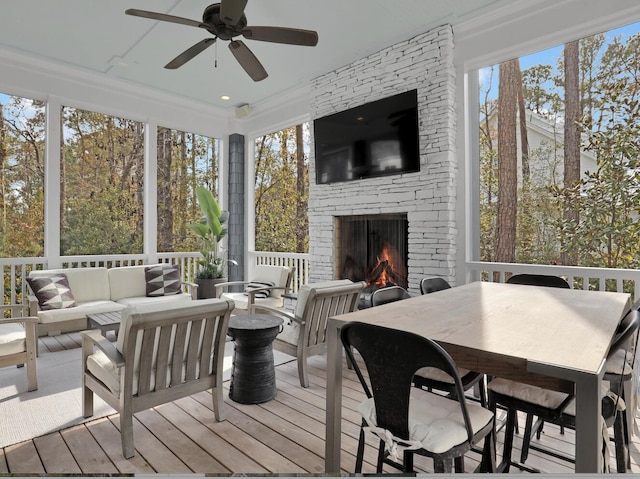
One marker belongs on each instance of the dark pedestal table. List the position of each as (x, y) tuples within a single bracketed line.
[(253, 375)]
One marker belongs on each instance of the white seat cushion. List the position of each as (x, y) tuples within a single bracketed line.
[(12, 339), (435, 422), (78, 312), (140, 300), (527, 392), (618, 363), (436, 374)]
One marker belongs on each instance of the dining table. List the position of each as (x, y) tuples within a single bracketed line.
[(550, 337)]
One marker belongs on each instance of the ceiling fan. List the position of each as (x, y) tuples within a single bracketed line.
[(225, 21)]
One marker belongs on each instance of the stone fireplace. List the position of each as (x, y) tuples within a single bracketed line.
[(424, 201)]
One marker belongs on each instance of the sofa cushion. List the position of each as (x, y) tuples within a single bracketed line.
[(87, 284), (140, 300), (12, 339), (53, 291), (127, 282), (162, 280), (79, 312)]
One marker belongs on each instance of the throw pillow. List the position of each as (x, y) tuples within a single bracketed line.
[(257, 285), (53, 292), (162, 280)]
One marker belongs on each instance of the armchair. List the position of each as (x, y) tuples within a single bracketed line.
[(266, 287), (305, 331), (164, 352), (19, 345)]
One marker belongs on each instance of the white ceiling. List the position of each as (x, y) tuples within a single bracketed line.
[(97, 36)]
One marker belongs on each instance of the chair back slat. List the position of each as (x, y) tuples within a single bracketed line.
[(163, 361)]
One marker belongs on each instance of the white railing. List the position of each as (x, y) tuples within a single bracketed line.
[(300, 261), (592, 279)]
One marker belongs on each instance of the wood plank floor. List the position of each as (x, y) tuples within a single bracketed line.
[(285, 435)]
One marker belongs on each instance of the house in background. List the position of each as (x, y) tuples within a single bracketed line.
[(96, 58)]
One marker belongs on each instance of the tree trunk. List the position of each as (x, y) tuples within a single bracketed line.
[(165, 224), (573, 114), (507, 163)]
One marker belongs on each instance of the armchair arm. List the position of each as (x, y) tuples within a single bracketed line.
[(221, 286), (192, 289), (32, 306), (286, 315), (93, 338), (25, 320)]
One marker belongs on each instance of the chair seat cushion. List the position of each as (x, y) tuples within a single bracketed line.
[(436, 374), (12, 339), (241, 300), (618, 363), (142, 300), (528, 393), (290, 332), (435, 422)]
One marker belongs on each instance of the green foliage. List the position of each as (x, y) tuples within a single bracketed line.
[(281, 193), (607, 233), (211, 230)]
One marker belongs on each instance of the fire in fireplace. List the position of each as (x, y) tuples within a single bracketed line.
[(373, 248)]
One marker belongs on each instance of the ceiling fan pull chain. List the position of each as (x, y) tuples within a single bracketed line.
[(215, 56)]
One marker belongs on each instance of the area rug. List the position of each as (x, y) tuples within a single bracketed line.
[(57, 404)]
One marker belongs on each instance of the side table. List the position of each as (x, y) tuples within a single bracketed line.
[(109, 321), (253, 375)]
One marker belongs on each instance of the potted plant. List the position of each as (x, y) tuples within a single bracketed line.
[(211, 230)]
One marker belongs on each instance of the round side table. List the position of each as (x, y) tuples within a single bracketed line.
[(253, 375)]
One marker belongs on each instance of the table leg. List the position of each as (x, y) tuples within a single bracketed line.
[(588, 425), (334, 398)]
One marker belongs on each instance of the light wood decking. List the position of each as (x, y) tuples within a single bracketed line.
[(285, 435)]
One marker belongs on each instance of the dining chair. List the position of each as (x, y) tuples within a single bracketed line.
[(432, 379), (388, 295), (559, 408), (538, 280), (550, 281), (431, 284), (407, 420)]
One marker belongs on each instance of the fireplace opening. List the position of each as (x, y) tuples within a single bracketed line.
[(373, 248)]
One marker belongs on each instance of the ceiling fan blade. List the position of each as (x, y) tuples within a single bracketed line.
[(163, 17), (231, 11), (189, 53), (291, 36), (248, 60)]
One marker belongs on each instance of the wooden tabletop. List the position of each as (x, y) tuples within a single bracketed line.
[(502, 329)]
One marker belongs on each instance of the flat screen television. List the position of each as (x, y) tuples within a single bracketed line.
[(379, 138)]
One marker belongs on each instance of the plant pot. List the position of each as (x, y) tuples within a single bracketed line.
[(207, 287)]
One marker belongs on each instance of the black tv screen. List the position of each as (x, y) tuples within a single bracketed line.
[(375, 139)]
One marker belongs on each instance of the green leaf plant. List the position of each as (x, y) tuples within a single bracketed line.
[(211, 230)]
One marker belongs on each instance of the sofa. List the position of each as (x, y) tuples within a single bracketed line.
[(62, 298)]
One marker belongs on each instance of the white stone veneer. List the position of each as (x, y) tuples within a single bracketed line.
[(425, 63)]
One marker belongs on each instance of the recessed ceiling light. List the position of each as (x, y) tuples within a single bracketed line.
[(225, 97)]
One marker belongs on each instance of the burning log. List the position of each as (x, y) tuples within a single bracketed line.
[(378, 271)]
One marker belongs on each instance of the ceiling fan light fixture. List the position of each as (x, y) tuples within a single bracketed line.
[(225, 97)]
